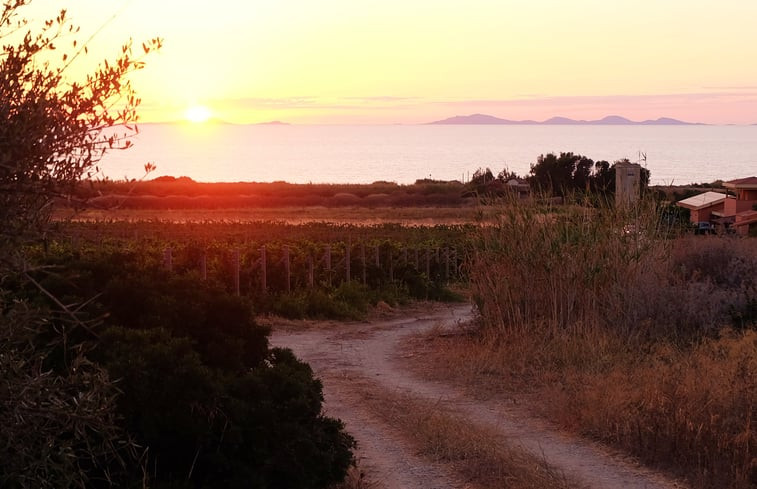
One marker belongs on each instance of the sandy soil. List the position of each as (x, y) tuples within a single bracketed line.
[(343, 355)]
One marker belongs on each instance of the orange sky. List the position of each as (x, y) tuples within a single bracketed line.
[(411, 61)]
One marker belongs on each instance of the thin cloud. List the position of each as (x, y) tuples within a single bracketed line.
[(598, 99), (383, 98), (717, 106), (732, 87), (311, 103)]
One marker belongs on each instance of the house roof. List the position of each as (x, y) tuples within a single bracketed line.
[(745, 183), (702, 200)]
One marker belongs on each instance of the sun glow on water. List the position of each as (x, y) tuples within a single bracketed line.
[(197, 114)]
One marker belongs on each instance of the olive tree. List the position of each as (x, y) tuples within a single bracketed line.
[(59, 425), (52, 128)]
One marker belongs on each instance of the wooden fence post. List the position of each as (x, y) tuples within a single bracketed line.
[(235, 259), (391, 265), (263, 270), (310, 272), (327, 257), (378, 258), (428, 263), (168, 259), (287, 269), (446, 264), (347, 260), (417, 263), (362, 260), (404, 256)]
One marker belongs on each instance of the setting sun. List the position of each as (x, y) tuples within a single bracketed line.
[(197, 113)]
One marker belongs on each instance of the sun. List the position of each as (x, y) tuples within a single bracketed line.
[(197, 113)]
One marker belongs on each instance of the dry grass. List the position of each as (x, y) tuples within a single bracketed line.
[(619, 333), (481, 459), (691, 410)]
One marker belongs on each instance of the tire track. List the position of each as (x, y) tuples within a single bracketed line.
[(370, 350)]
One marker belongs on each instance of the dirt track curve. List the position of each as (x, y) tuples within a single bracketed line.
[(343, 353)]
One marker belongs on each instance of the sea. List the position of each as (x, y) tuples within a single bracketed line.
[(675, 155)]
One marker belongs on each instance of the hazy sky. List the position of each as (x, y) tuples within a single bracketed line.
[(409, 61)]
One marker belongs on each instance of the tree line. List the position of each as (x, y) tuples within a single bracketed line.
[(560, 175)]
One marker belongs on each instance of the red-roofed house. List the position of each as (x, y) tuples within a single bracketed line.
[(746, 195), (740, 212), (744, 207), (703, 206)]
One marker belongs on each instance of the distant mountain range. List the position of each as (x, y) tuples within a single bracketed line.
[(610, 120)]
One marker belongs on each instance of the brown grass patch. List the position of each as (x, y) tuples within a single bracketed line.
[(442, 436), (622, 332), (691, 410)]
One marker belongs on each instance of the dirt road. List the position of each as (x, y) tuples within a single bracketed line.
[(344, 355)]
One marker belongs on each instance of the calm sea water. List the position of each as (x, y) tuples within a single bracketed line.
[(363, 154)]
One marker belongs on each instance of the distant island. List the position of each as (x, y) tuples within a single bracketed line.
[(272, 123), (610, 120)]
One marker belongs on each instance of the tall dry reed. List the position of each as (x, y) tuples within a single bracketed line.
[(618, 325), (565, 267)]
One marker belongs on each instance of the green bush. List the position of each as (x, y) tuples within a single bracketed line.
[(207, 428), (202, 391)]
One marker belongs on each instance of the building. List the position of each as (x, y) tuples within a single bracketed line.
[(746, 195), (743, 208), (738, 212), (705, 207), (627, 182)]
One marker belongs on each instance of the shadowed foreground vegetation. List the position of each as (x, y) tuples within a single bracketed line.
[(622, 331), (202, 398)]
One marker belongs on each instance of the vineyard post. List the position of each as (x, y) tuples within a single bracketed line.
[(168, 259), (235, 260), (327, 257), (428, 263), (287, 269), (310, 272), (404, 256), (204, 265), (446, 264), (456, 269), (347, 260), (417, 263), (391, 265), (362, 260), (378, 264), (263, 270)]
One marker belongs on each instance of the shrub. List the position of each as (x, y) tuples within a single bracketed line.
[(202, 391), (261, 428)]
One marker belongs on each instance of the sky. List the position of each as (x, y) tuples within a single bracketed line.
[(415, 61)]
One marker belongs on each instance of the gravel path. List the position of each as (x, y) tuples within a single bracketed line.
[(369, 349)]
